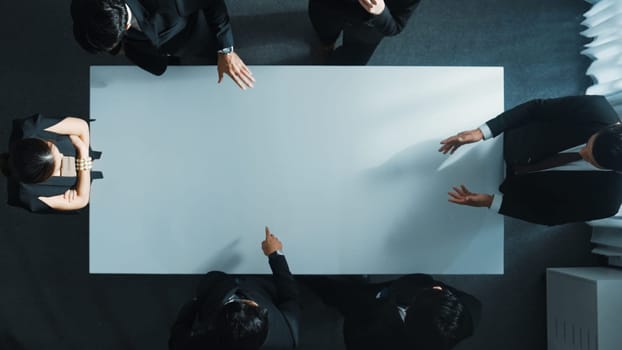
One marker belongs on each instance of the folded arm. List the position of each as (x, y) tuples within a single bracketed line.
[(72, 126), (78, 197)]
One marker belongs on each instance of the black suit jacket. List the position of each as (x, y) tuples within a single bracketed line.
[(389, 23), (376, 324), (279, 296), (394, 17), (539, 129), (176, 28), (372, 321)]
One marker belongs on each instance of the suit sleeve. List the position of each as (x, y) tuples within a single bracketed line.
[(558, 197), (147, 57), (570, 108), (218, 20), (181, 331), (394, 18), (526, 202), (287, 292)]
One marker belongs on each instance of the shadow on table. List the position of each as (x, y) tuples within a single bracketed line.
[(227, 259), (428, 222)]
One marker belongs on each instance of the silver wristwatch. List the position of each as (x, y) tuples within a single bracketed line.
[(226, 51)]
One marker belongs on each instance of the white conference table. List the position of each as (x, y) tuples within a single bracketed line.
[(340, 162)]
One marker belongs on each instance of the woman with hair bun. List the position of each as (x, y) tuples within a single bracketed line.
[(49, 164)]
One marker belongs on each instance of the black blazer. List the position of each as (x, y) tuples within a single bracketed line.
[(395, 16), (538, 129), (280, 296), (375, 322), (389, 23), (176, 28)]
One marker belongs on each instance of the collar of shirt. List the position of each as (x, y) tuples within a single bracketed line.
[(579, 165)]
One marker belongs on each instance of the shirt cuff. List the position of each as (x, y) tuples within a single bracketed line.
[(276, 252), (497, 199), (485, 129)]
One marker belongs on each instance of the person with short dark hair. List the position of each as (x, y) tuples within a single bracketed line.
[(154, 33), (563, 158), (412, 312), (48, 164), (364, 24), (438, 319), (238, 313), (241, 324)]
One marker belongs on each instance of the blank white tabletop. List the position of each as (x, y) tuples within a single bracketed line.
[(340, 162)]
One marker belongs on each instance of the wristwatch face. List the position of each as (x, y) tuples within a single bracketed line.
[(226, 50)]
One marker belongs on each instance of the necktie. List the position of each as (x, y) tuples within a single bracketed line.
[(548, 163)]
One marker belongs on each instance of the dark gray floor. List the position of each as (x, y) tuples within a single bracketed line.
[(49, 301)]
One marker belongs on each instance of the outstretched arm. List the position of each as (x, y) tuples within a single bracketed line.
[(286, 286), (217, 17), (570, 108)]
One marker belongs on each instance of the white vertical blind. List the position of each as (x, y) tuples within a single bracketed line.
[(604, 27)]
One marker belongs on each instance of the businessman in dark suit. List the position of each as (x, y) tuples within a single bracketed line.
[(412, 312), (563, 158), (364, 24), (154, 33), (231, 312)]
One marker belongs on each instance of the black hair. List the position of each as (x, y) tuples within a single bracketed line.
[(30, 161), (240, 326), (99, 25), (436, 319), (607, 147)]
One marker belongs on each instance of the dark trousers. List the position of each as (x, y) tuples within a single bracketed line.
[(360, 39)]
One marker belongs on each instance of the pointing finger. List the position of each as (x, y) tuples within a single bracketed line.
[(267, 232)]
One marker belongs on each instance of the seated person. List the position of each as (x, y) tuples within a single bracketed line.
[(412, 312), (233, 313), (154, 33), (48, 164)]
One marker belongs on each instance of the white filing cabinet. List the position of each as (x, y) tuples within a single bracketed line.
[(584, 308)]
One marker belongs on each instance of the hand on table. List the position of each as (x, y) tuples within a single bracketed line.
[(452, 143), (464, 197), (271, 244), (233, 66), (375, 7)]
